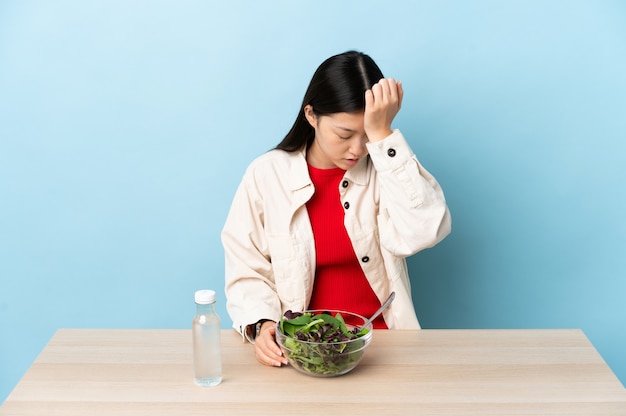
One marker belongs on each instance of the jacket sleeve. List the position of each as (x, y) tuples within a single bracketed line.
[(249, 283), (413, 214)]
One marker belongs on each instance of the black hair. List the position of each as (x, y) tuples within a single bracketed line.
[(338, 86)]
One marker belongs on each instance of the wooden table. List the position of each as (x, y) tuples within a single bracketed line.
[(434, 372)]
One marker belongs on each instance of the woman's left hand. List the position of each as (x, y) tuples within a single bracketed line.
[(382, 103)]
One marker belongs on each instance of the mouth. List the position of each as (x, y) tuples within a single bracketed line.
[(352, 161)]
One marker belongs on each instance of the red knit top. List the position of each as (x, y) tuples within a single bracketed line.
[(339, 280)]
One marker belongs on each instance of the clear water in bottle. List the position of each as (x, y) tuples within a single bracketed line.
[(207, 357)]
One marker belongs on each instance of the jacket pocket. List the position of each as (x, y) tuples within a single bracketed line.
[(283, 258)]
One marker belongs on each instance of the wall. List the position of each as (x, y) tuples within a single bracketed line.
[(126, 126)]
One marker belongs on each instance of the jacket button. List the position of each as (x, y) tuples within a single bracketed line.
[(365, 259), (346, 205), (391, 152), (344, 184)]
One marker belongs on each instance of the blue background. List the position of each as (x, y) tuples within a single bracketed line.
[(125, 127)]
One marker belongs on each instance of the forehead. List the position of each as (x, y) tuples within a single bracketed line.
[(346, 121)]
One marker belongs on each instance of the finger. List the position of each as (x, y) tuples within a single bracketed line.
[(377, 93), (369, 99), (400, 94), (270, 348), (267, 355), (271, 343), (393, 90), (266, 359), (384, 87)]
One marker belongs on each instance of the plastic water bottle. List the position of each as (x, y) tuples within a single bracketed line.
[(207, 356)]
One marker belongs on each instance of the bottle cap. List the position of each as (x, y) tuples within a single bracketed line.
[(204, 296)]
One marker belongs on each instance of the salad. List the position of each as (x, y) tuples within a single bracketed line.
[(320, 343)]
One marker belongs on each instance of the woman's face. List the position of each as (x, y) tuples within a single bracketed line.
[(339, 139)]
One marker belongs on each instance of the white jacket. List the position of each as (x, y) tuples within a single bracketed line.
[(393, 209)]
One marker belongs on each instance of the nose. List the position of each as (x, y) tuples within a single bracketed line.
[(357, 147)]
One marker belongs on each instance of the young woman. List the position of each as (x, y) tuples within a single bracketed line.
[(326, 219)]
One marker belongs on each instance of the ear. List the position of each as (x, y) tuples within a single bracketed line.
[(310, 115)]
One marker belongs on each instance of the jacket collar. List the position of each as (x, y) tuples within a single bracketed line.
[(300, 172), (359, 174)]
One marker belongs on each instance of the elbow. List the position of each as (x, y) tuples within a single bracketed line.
[(432, 232), (444, 228)]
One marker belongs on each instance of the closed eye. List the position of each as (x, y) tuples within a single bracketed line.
[(344, 133)]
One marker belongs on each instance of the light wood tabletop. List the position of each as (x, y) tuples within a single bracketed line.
[(429, 372)]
